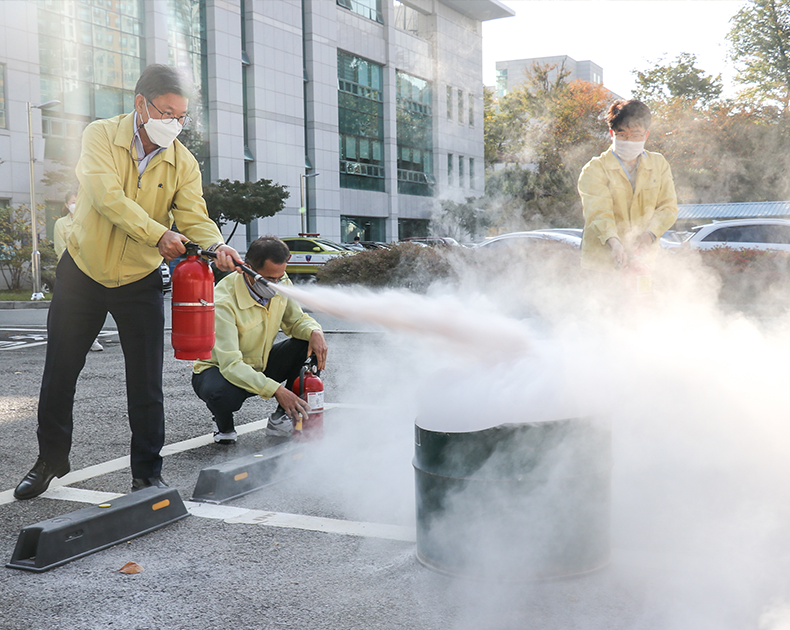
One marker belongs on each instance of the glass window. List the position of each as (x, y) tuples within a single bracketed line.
[(471, 111), (3, 122), (717, 236), (406, 18), (460, 106), (415, 137), (187, 50), (91, 55), (367, 228), (450, 161), (370, 9), (472, 173), (360, 122), (449, 103), (461, 170)]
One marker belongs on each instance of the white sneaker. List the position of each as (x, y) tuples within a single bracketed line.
[(279, 426), (221, 437), (96, 347)]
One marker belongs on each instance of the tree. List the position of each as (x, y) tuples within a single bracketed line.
[(241, 202), (760, 46), (461, 220), (677, 79), (15, 245), (544, 132)]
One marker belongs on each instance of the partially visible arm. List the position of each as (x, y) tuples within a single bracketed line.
[(317, 345), (597, 202), (666, 212)]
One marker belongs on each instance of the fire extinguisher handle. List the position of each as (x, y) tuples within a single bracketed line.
[(255, 276), (312, 364)]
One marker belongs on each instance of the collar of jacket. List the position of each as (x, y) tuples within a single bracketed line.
[(243, 297), (613, 164), (125, 133)]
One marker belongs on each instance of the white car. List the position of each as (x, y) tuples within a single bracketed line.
[(770, 234), (568, 236)]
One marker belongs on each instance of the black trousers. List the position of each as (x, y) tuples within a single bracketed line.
[(224, 398), (76, 315)]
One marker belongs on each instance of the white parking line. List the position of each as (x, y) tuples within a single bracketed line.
[(236, 515), (35, 337), (59, 490)]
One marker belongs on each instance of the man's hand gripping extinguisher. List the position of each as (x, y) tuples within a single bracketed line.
[(310, 389)]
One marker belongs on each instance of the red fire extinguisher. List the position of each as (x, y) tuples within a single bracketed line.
[(310, 388), (193, 307), (639, 278)]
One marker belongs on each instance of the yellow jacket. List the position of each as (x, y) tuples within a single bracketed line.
[(61, 235), (119, 217), (613, 208), (245, 333)]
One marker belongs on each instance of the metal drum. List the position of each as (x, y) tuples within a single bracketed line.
[(515, 502)]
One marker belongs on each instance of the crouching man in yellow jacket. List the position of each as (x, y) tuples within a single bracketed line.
[(628, 194), (136, 180), (245, 360)]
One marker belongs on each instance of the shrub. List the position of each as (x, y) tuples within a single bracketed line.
[(749, 275), (404, 265)]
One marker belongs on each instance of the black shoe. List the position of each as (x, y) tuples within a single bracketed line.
[(139, 483), (39, 478)]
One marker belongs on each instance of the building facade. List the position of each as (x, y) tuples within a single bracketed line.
[(367, 110), (510, 74)]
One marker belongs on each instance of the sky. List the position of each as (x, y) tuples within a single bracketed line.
[(618, 35)]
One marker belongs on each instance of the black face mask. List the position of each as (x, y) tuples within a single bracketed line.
[(262, 288)]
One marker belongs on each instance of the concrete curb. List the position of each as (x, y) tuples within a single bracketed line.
[(31, 304)]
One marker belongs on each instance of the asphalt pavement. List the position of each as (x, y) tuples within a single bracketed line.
[(331, 546)]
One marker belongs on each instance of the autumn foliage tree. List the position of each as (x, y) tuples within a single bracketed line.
[(544, 131)]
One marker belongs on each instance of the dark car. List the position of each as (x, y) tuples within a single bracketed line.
[(167, 281), (433, 241)]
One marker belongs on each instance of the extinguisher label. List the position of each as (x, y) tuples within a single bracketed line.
[(315, 400)]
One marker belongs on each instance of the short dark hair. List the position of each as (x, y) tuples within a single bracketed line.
[(624, 114), (158, 79), (266, 248)]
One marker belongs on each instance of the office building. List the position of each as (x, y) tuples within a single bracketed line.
[(510, 74), (367, 110)]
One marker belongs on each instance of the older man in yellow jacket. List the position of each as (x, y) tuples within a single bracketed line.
[(628, 194), (136, 180), (245, 360)]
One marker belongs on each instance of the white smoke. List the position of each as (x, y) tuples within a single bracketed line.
[(696, 400)]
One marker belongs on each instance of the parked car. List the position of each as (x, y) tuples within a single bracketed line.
[(309, 254), (167, 281), (769, 234), (433, 241), (521, 239)]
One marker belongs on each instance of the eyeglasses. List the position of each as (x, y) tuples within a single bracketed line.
[(629, 135), (274, 280), (183, 120)]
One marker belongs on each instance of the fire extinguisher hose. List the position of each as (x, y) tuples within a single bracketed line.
[(255, 276)]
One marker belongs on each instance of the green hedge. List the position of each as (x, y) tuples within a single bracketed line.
[(750, 275), (404, 265)]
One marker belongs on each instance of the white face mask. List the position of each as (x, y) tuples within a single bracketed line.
[(72, 207), (628, 150), (162, 132)]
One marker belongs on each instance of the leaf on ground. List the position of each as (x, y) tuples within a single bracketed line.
[(131, 568)]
